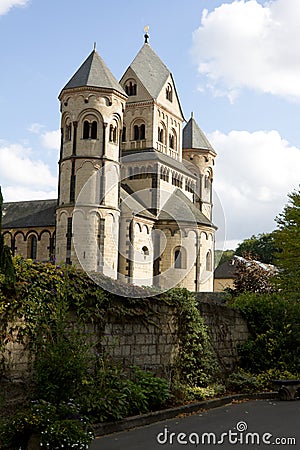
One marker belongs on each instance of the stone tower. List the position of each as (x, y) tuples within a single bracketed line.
[(198, 151), (87, 216)]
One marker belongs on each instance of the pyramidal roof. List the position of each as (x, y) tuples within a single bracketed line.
[(193, 137), (150, 69), (94, 73)]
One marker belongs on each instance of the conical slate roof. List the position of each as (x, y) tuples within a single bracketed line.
[(193, 137), (94, 73), (150, 69)]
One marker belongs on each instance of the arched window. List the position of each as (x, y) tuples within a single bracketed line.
[(139, 132), (130, 88), (136, 133), (209, 261), (86, 129), (89, 130), (161, 135), (124, 134), (32, 247), (68, 132), (169, 93), (206, 182), (171, 141), (94, 130), (179, 258), (111, 133), (145, 251)]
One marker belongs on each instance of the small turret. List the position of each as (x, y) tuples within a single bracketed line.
[(198, 151)]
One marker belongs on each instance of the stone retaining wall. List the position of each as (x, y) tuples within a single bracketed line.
[(154, 347)]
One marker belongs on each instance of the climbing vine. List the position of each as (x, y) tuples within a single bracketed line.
[(41, 288)]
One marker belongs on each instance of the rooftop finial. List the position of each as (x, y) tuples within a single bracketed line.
[(95, 45), (146, 35), (192, 114)]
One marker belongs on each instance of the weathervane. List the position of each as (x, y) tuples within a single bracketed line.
[(146, 35)]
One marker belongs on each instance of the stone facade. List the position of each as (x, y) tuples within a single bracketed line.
[(135, 187)]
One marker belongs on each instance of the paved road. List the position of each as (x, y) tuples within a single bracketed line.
[(274, 422)]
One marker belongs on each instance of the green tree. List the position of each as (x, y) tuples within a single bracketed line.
[(261, 247), (6, 263), (287, 239)]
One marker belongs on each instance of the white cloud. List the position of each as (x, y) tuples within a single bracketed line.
[(254, 173), (246, 44), (35, 128), (21, 193), (6, 5), (23, 177), (51, 139)]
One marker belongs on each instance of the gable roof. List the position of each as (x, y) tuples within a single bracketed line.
[(180, 209), (36, 213), (94, 73), (131, 201), (150, 69), (193, 137)]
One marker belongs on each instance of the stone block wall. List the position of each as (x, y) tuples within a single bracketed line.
[(151, 347), (154, 346), (228, 329)]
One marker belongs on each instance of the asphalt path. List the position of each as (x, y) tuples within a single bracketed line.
[(252, 425)]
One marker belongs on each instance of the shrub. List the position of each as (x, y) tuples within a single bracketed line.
[(242, 382), (56, 427), (274, 324), (155, 389), (112, 394), (67, 434)]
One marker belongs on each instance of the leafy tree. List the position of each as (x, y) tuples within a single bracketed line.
[(287, 239), (261, 247), (274, 325), (6, 264), (251, 277)]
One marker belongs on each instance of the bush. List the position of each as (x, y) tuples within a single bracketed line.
[(60, 368), (58, 427), (67, 434), (203, 393), (274, 324), (242, 382), (112, 393)]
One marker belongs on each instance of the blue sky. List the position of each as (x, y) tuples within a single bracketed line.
[(236, 65)]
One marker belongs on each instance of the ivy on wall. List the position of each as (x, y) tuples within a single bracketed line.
[(40, 288)]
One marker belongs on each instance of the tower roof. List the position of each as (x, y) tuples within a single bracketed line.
[(94, 73), (150, 69), (193, 137)]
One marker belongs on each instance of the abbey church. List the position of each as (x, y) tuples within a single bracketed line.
[(135, 185)]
